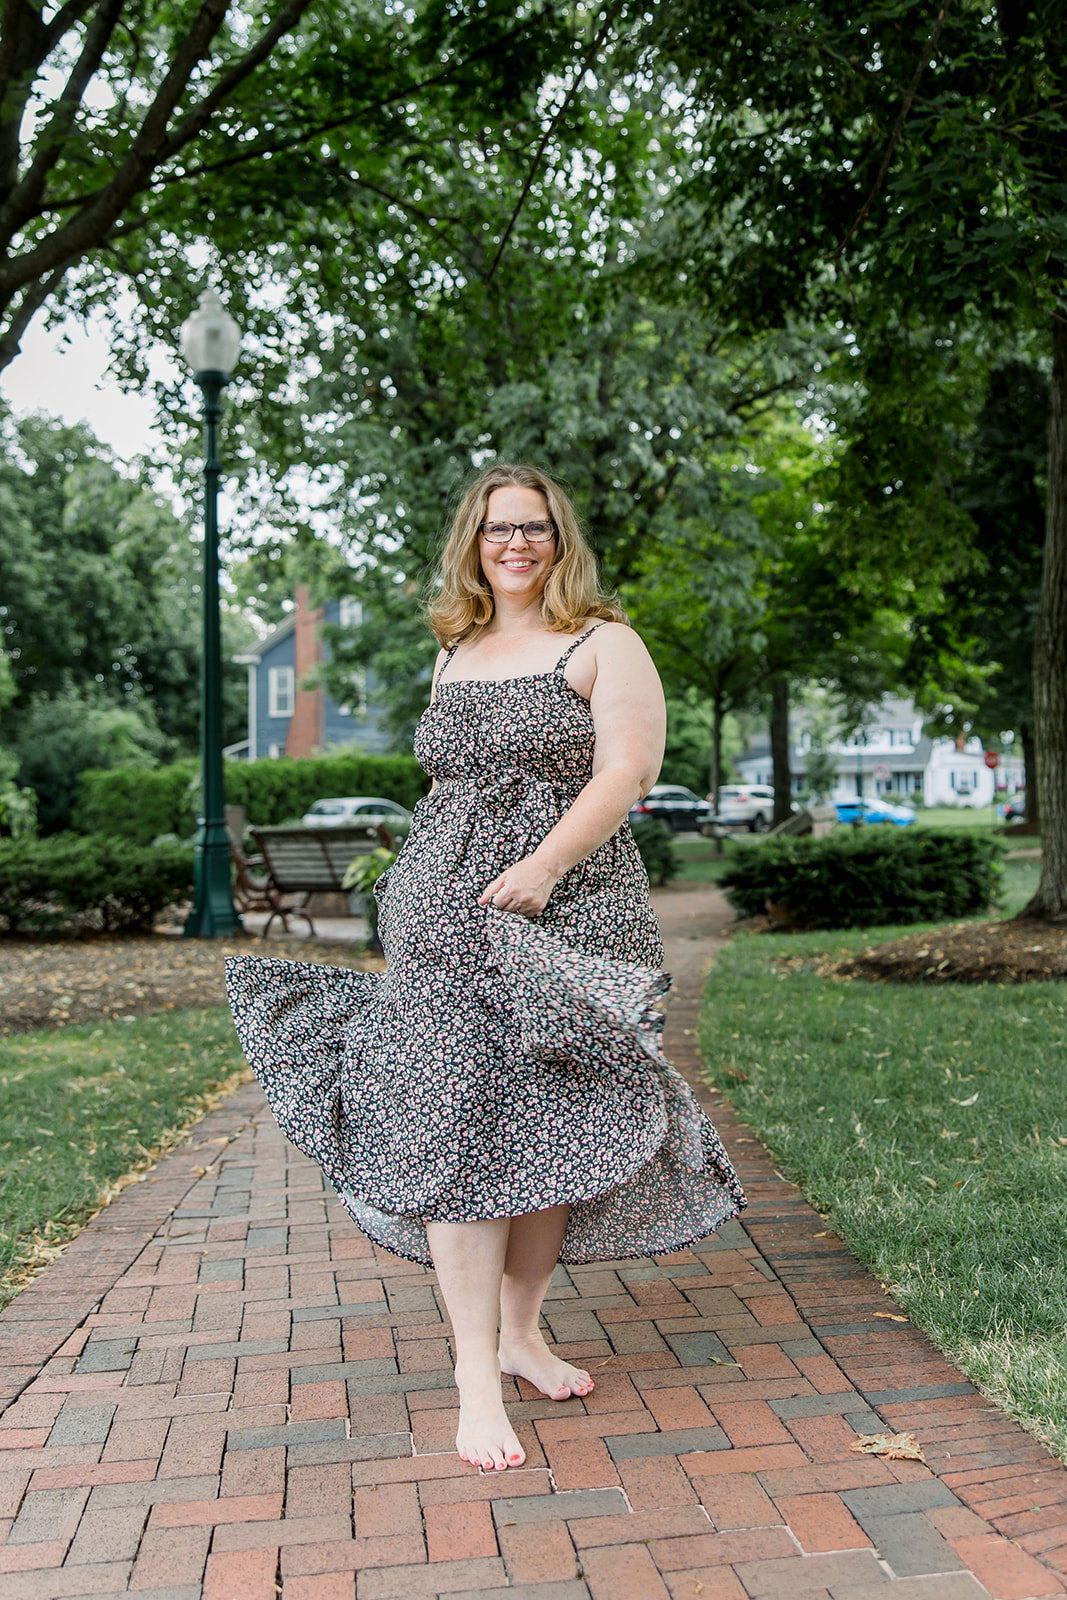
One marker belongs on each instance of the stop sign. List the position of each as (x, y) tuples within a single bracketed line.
[(992, 760)]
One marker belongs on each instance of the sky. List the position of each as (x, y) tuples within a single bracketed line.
[(63, 371)]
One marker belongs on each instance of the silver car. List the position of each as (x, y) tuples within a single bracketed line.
[(361, 810)]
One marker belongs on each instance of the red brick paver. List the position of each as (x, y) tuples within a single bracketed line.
[(221, 1391)]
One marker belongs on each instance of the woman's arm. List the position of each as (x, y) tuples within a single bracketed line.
[(629, 721)]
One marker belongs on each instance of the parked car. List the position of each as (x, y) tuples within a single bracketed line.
[(874, 811), (678, 808), (361, 810), (746, 805)]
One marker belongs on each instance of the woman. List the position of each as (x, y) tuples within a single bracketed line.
[(498, 1101)]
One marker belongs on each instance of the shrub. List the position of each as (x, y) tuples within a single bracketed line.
[(141, 805), (74, 883), (656, 845), (862, 877), (59, 739)]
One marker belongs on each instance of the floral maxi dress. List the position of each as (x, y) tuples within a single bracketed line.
[(501, 1064)]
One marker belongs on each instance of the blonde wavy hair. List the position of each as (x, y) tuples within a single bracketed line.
[(462, 601)]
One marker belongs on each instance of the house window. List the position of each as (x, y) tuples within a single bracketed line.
[(351, 613), (281, 691)]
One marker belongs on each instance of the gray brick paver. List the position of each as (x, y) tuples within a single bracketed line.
[(799, 1575), (890, 1499), (911, 1546), (673, 1442), (956, 1586), (449, 1577), (47, 1515), (563, 1505), (81, 1425), (107, 1355)]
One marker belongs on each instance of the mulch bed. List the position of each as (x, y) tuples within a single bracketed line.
[(49, 984), (965, 952)]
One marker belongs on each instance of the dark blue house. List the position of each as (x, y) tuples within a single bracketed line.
[(285, 716)]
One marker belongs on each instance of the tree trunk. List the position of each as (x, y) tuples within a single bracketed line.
[(1050, 654), (783, 778), (716, 760), (1033, 810)]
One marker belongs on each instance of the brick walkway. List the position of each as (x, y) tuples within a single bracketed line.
[(222, 1390)]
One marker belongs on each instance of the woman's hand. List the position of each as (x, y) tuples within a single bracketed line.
[(523, 888)]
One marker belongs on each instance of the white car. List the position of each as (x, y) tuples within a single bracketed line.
[(745, 805), (357, 811)]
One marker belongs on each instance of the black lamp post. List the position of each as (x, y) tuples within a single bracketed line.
[(210, 342)]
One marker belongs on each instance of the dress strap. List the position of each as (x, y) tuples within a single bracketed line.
[(450, 650), (565, 657)]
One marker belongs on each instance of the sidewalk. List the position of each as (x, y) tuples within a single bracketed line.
[(221, 1390)]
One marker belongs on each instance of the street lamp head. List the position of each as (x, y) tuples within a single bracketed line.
[(210, 338)]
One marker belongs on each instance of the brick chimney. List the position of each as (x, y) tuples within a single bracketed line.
[(307, 723)]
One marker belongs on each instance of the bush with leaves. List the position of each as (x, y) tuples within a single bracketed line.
[(74, 884), (361, 876), (56, 740), (656, 845), (858, 878), (142, 805)]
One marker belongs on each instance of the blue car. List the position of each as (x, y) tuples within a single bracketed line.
[(873, 811)]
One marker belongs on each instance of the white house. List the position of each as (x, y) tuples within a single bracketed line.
[(891, 756)]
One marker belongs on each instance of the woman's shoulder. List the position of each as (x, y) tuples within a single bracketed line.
[(616, 640)]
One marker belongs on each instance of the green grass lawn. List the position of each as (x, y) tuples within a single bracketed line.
[(958, 817), (83, 1107), (698, 862), (930, 1126)]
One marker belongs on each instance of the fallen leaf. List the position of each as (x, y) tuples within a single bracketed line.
[(825, 1234), (890, 1446), (890, 1316), (968, 1102)]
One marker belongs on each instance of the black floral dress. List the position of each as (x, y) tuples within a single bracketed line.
[(501, 1064)]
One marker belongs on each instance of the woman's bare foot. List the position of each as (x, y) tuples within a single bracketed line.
[(530, 1358), (485, 1437)]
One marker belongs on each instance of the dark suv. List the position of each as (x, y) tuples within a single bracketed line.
[(679, 808)]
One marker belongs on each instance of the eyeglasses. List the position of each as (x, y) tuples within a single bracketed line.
[(532, 532)]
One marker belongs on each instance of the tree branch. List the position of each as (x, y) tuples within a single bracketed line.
[(612, 13), (51, 140), (197, 119), (898, 129), (94, 221), (33, 299)]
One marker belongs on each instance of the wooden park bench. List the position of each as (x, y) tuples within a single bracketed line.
[(307, 861)]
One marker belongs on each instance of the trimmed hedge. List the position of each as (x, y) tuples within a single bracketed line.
[(858, 878), (72, 883), (138, 803), (141, 804)]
